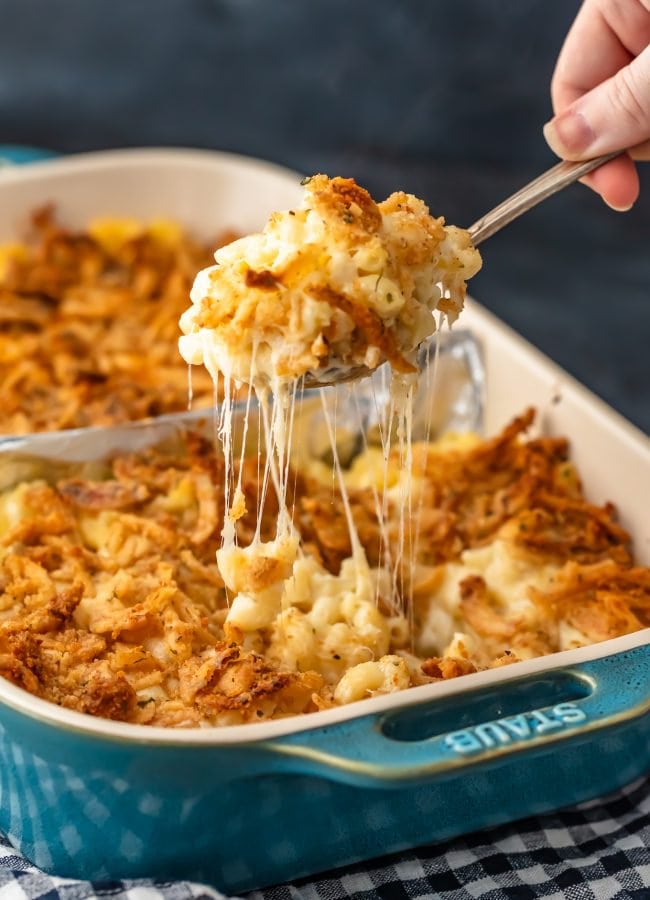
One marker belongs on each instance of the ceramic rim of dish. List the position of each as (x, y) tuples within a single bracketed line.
[(23, 702)]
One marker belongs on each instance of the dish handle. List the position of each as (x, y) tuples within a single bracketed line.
[(533, 714)]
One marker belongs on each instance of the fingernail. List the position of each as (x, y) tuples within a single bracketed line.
[(569, 133), (619, 208)]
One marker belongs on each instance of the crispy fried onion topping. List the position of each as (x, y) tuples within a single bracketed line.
[(111, 602)]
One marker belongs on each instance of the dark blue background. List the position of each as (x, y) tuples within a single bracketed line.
[(443, 99)]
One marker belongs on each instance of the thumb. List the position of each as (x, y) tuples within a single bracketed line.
[(615, 115)]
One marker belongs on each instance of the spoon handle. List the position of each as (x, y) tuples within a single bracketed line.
[(547, 184)]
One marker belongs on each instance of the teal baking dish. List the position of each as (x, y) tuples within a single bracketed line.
[(249, 806), (90, 798)]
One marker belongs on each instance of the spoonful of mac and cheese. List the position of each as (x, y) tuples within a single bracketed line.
[(329, 290)]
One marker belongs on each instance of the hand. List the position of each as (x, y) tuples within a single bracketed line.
[(601, 95)]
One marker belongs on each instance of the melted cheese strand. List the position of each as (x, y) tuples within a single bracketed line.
[(383, 538), (384, 415), (258, 509), (399, 399), (386, 449), (239, 500), (301, 392), (336, 403), (270, 464), (224, 430), (287, 466), (384, 544), (283, 400), (388, 414), (225, 436), (358, 553), (278, 430), (402, 392), (430, 379)]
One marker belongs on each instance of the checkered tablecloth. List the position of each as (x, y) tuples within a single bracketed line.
[(597, 851)]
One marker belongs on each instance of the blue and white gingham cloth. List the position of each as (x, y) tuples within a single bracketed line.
[(596, 851)]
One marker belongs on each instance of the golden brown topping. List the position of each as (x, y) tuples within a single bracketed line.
[(447, 667), (111, 601), (344, 199), (77, 310), (102, 494), (370, 329), (263, 279), (600, 600), (231, 679)]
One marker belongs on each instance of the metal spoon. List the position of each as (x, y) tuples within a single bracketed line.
[(547, 184)]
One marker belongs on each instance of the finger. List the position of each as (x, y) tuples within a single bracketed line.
[(614, 115), (617, 182), (592, 52)]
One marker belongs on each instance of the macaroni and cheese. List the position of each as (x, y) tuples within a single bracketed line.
[(113, 603), (338, 283)]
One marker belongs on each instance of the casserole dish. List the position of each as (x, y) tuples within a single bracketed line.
[(350, 783), (247, 806)]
